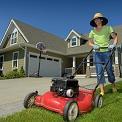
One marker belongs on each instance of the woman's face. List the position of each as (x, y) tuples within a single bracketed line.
[(98, 21)]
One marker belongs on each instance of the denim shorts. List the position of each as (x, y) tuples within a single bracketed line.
[(100, 60)]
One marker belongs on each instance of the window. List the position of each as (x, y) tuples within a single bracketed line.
[(42, 58), (33, 56), (1, 62), (74, 41), (15, 60), (14, 37), (49, 59), (56, 60)]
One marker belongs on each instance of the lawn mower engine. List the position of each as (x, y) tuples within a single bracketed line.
[(65, 87)]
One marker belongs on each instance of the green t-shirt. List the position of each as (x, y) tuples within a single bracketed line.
[(101, 38)]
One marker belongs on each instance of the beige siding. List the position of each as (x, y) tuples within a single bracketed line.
[(7, 43), (20, 39), (68, 44), (78, 41), (7, 65)]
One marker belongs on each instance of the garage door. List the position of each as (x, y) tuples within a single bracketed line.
[(49, 66)]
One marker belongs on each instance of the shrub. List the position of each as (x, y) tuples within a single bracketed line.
[(15, 73), (1, 74), (2, 77), (22, 72), (12, 74)]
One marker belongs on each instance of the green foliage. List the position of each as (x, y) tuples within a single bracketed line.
[(1, 75), (15, 74), (12, 74), (22, 72)]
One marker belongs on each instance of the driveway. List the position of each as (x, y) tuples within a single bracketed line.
[(13, 91)]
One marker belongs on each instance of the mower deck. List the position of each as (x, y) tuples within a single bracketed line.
[(53, 102)]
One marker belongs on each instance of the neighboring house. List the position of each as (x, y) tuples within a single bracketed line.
[(18, 49)]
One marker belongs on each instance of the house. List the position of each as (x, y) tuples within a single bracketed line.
[(18, 49)]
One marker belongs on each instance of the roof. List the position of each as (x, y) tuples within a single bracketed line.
[(78, 50), (52, 42), (22, 45), (35, 35)]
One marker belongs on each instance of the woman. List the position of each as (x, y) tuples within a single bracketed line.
[(99, 39)]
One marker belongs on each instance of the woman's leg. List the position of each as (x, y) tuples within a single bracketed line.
[(102, 89), (110, 72), (99, 70)]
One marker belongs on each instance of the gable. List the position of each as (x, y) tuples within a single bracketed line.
[(72, 33), (7, 38)]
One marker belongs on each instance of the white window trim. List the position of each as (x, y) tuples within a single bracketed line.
[(3, 60), (72, 31), (15, 30), (71, 41), (14, 60)]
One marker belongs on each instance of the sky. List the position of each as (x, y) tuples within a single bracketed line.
[(59, 16)]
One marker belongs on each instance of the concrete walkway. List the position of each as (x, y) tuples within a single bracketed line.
[(13, 91)]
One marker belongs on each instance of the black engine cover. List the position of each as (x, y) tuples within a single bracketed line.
[(61, 85)]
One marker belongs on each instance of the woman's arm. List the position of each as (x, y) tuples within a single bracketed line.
[(114, 37), (90, 42)]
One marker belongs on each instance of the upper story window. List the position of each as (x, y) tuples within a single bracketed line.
[(14, 36), (74, 41)]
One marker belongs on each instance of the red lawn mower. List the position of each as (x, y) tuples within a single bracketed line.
[(66, 97)]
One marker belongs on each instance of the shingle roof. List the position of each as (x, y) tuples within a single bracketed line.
[(35, 35), (78, 50)]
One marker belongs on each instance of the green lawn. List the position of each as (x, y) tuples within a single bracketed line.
[(110, 112)]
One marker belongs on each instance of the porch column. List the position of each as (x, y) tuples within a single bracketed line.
[(116, 66), (116, 58), (74, 62), (88, 60), (88, 67)]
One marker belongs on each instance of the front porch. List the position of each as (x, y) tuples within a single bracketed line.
[(87, 68), (76, 61)]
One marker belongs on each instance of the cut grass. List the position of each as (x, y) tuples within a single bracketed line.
[(110, 112)]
